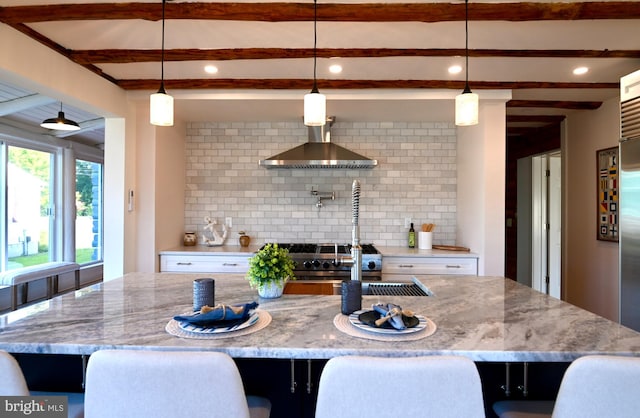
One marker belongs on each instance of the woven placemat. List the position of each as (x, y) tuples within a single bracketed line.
[(264, 319), (343, 324)]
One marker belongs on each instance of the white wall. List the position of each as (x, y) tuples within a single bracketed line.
[(116, 220), (481, 187), (590, 271), (157, 177), (170, 189)]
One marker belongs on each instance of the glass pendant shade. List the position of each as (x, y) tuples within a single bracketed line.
[(466, 108), (161, 104), (466, 102), (60, 123), (315, 104), (315, 109), (161, 109)]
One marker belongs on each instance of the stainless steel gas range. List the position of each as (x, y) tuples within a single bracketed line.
[(325, 261)]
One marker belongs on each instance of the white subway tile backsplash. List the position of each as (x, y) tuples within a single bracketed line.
[(415, 177)]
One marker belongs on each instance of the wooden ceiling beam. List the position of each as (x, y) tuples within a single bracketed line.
[(119, 56), (363, 12), (535, 118), (519, 131), (303, 83), (556, 104), (534, 132)]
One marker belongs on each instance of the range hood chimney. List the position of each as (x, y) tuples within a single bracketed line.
[(319, 152)]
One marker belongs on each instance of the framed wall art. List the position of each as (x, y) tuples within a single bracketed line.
[(608, 180)]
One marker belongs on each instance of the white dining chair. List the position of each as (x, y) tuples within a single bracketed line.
[(418, 387), (14, 384), (594, 386), (167, 384)]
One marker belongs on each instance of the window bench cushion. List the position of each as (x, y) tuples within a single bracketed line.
[(40, 271), (49, 271)]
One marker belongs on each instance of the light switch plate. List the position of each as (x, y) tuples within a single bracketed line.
[(407, 222), (228, 221)]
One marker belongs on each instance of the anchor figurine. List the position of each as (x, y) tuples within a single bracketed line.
[(214, 238)]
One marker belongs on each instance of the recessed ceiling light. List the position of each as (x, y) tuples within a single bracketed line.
[(455, 69), (211, 69), (335, 68), (580, 70)]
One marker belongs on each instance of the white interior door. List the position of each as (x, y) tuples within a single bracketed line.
[(546, 223), (555, 224), (539, 223)]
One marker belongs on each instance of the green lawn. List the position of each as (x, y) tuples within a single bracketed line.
[(83, 255)]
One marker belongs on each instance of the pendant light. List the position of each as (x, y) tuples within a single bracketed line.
[(466, 102), (315, 104), (60, 123), (161, 109)]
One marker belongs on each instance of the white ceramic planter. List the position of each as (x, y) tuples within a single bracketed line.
[(272, 290)]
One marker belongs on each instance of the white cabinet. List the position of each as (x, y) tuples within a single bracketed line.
[(411, 266), (210, 263)]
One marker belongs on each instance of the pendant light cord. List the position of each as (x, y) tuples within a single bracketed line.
[(162, 53), (466, 46), (315, 42)]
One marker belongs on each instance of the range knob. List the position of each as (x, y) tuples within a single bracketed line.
[(326, 265), (371, 265), (307, 264), (316, 263)]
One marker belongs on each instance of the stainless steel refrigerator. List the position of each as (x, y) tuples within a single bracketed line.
[(629, 238), (629, 202)]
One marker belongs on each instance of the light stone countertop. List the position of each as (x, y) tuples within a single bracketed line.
[(483, 318), (216, 249), (252, 248), (416, 252)]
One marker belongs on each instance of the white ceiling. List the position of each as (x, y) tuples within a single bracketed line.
[(347, 104)]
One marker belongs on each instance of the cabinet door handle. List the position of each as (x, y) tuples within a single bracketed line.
[(230, 264), (293, 376), (405, 266), (183, 263), (452, 266), (308, 376)]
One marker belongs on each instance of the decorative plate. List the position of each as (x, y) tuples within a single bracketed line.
[(361, 319), (220, 329)]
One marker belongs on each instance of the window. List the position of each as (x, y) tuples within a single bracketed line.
[(29, 203), (40, 183), (88, 212)]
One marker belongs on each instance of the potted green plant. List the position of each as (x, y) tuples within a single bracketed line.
[(269, 269)]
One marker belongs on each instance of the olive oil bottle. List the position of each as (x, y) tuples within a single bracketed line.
[(412, 237)]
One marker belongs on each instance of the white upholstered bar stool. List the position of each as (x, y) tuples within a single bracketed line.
[(592, 387), (167, 384), (13, 383), (600, 386), (418, 387)]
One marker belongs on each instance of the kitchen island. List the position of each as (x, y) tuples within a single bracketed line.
[(488, 319)]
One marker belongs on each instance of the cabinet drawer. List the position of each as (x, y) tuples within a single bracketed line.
[(204, 264), (429, 265)]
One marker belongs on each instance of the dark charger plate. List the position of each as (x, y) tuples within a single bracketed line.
[(370, 318)]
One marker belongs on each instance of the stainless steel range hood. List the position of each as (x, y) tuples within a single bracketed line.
[(319, 152)]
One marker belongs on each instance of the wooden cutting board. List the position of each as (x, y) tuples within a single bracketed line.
[(449, 248)]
